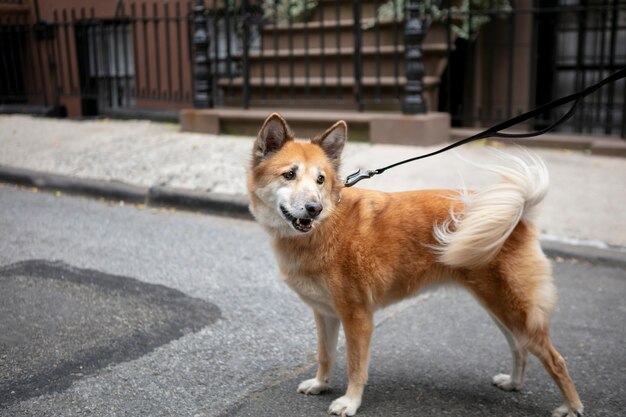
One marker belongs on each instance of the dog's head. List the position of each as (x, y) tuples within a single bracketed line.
[(294, 185)]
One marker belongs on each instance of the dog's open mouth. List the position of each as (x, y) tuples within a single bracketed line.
[(300, 224)]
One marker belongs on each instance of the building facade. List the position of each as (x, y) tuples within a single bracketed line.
[(483, 60)]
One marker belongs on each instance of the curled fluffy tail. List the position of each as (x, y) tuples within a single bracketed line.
[(475, 235)]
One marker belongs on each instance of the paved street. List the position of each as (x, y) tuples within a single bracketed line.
[(225, 263), (61, 323), (197, 323)]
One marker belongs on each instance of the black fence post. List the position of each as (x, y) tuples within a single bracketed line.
[(358, 58), (246, 19), (414, 32), (201, 72)]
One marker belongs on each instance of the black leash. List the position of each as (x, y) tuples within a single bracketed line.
[(494, 131)]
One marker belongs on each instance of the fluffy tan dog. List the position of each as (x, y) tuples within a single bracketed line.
[(348, 252)]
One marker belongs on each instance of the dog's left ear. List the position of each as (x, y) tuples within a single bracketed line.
[(332, 141)]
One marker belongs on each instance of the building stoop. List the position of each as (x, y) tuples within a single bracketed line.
[(595, 145), (374, 127)]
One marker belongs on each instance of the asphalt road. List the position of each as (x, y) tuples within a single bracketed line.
[(112, 310)]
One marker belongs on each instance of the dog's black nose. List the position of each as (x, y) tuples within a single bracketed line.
[(313, 208)]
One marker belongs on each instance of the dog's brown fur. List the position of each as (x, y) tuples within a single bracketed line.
[(368, 249)]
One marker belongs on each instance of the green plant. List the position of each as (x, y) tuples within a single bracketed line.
[(286, 11), (465, 22)]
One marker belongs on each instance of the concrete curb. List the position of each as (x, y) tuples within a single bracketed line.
[(221, 204), (594, 255), (224, 204), (71, 185), (231, 206)]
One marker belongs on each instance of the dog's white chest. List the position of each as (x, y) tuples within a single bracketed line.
[(313, 292)]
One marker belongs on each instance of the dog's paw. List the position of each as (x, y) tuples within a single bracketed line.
[(312, 386), (504, 382), (344, 406), (564, 411)]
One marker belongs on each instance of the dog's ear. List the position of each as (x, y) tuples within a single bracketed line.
[(272, 136), (332, 141)]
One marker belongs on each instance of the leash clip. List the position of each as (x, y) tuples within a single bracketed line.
[(358, 176)]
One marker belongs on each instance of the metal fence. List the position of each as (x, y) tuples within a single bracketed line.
[(139, 57), (536, 52), (480, 60), (321, 54)]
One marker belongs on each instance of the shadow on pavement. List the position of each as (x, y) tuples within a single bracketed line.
[(60, 323)]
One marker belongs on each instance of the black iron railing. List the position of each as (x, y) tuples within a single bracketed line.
[(138, 58), (482, 62), (534, 53), (15, 58), (334, 54)]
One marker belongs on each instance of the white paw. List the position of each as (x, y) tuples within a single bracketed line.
[(344, 406), (564, 411), (312, 386), (504, 382)]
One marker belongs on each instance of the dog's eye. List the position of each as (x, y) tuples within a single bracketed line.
[(320, 179), (289, 175)]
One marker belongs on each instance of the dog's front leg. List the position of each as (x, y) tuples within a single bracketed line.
[(357, 326), (327, 334)]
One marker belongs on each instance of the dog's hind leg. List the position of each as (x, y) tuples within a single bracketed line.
[(515, 380), (541, 346), (327, 334), (529, 296), (538, 343)]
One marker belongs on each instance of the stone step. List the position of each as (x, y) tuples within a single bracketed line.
[(384, 61), (373, 127), (382, 93), (317, 82), (330, 33), (335, 9), (333, 33)]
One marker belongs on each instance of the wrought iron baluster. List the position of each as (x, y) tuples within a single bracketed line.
[(608, 129), (358, 64), (414, 33), (70, 69), (168, 48), (116, 76), (322, 49), (377, 92), (57, 25), (511, 69), (228, 15), (179, 51), (133, 15), (291, 57), (144, 21), (157, 50), (246, 22), (338, 48), (202, 97)]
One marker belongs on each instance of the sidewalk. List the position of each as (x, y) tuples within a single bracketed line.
[(584, 205)]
